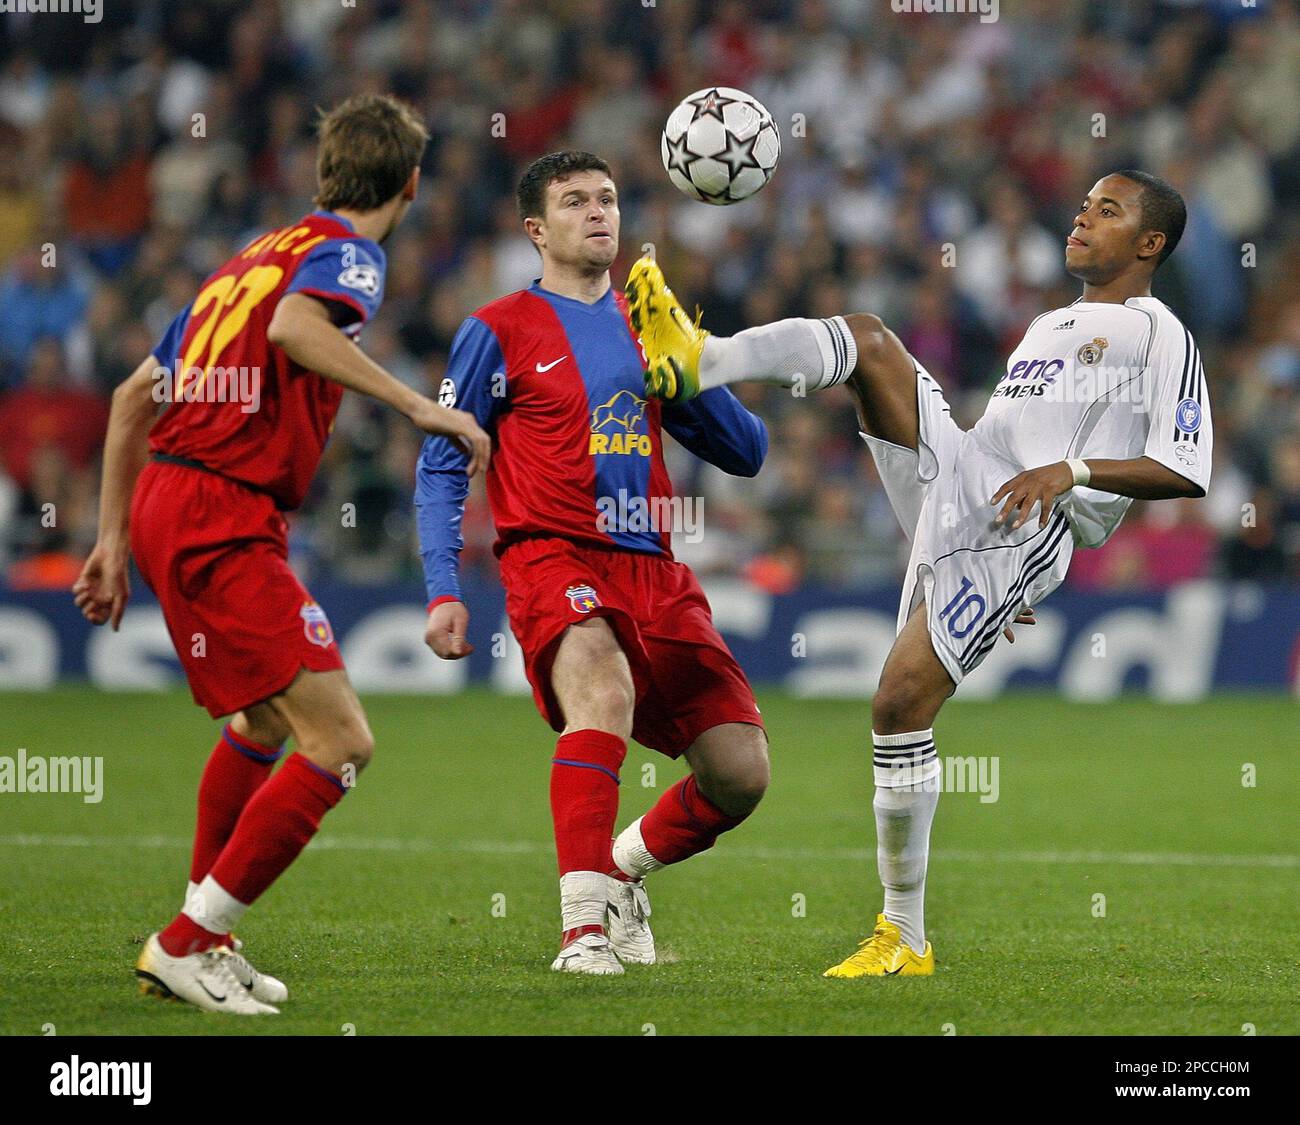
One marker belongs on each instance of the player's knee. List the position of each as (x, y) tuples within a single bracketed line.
[(361, 747), (737, 794), (738, 788), (876, 343), (898, 706), (747, 788), (349, 744), (261, 726), (612, 701), (604, 703)]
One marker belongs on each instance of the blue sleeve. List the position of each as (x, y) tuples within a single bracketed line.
[(475, 382), (169, 347), (349, 271), (717, 428)]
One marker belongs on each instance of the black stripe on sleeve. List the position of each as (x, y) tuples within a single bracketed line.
[(1183, 384)]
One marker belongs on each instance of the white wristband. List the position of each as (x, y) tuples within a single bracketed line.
[(1079, 467)]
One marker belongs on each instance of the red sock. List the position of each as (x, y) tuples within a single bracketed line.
[(184, 936), (683, 823), (236, 770), (584, 798), (275, 826)]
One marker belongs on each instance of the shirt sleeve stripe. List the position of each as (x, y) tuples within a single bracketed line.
[(1183, 385)]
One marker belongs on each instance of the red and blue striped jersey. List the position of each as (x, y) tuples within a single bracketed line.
[(236, 403), (559, 384)]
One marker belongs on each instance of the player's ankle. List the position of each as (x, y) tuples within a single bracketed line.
[(184, 936), (570, 936)]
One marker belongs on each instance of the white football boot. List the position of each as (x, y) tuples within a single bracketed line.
[(263, 986), (207, 980), (628, 921), (590, 953)]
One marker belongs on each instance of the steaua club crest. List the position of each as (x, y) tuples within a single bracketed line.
[(1090, 354), (315, 625), (583, 598)]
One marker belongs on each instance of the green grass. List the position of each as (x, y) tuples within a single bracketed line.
[(399, 936)]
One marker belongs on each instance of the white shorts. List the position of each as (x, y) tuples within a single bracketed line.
[(974, 575)]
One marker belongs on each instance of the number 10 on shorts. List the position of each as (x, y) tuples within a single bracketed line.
[(966, 609)]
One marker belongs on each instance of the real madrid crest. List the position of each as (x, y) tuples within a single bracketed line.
[(1089, 355)]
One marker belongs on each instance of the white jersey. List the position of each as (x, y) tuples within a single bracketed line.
[(1102, 380)]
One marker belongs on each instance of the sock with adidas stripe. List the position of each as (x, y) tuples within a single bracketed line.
[(907, 773)]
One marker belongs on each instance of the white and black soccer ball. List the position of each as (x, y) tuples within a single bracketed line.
[(720, 145)]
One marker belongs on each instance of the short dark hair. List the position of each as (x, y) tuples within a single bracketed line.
[(1162, 207), (531, 193), (369, 146)]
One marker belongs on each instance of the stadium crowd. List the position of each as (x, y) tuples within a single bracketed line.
[(138, 157)]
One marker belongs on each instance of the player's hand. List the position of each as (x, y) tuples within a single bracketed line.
[(445, 632), (461, 426), (102, 589), (1024, 617), (1034, 486)]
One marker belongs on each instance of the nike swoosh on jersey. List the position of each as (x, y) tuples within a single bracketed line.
[(544, 367)]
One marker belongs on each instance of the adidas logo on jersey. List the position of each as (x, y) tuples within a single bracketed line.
[(1067, 324)]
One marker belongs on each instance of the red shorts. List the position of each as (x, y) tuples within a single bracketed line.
[(216, 555), (685, 676)]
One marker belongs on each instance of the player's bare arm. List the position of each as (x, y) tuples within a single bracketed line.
[(103, 587), (1139, 477), (302, 327)]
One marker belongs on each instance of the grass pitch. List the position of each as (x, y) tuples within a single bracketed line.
[(428, 904)]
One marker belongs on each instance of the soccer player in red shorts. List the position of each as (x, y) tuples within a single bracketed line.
[(251, 376), (617, 636)]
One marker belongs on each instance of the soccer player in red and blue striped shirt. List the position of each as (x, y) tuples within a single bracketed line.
[(251, 375), (617, 636)]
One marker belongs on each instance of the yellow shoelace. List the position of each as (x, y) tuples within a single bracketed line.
[(876, 948)]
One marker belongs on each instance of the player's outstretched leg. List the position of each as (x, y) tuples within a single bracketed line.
[(729, 775), (191, 956), (592, 681), (682, 359), (913, 686)]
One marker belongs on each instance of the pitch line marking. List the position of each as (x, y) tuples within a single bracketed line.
[(741, 852)]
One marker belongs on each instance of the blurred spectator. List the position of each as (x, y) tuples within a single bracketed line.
[(106, 195), (38, 302), (1255, 551), (1157, 546), (45, 413)]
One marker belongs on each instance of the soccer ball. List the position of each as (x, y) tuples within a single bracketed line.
[(720, 146)]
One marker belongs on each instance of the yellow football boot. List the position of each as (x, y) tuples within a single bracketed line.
[(672, 341), (883, 954)]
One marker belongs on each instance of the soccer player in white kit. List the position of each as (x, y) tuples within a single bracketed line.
[(1103, 401)]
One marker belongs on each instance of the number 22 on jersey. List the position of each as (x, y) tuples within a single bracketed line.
[(225, 305)]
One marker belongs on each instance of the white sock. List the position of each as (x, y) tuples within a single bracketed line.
[(190, 887), (907, 792), (583, 899), (631, 856), (815, 353), (213, 907)]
